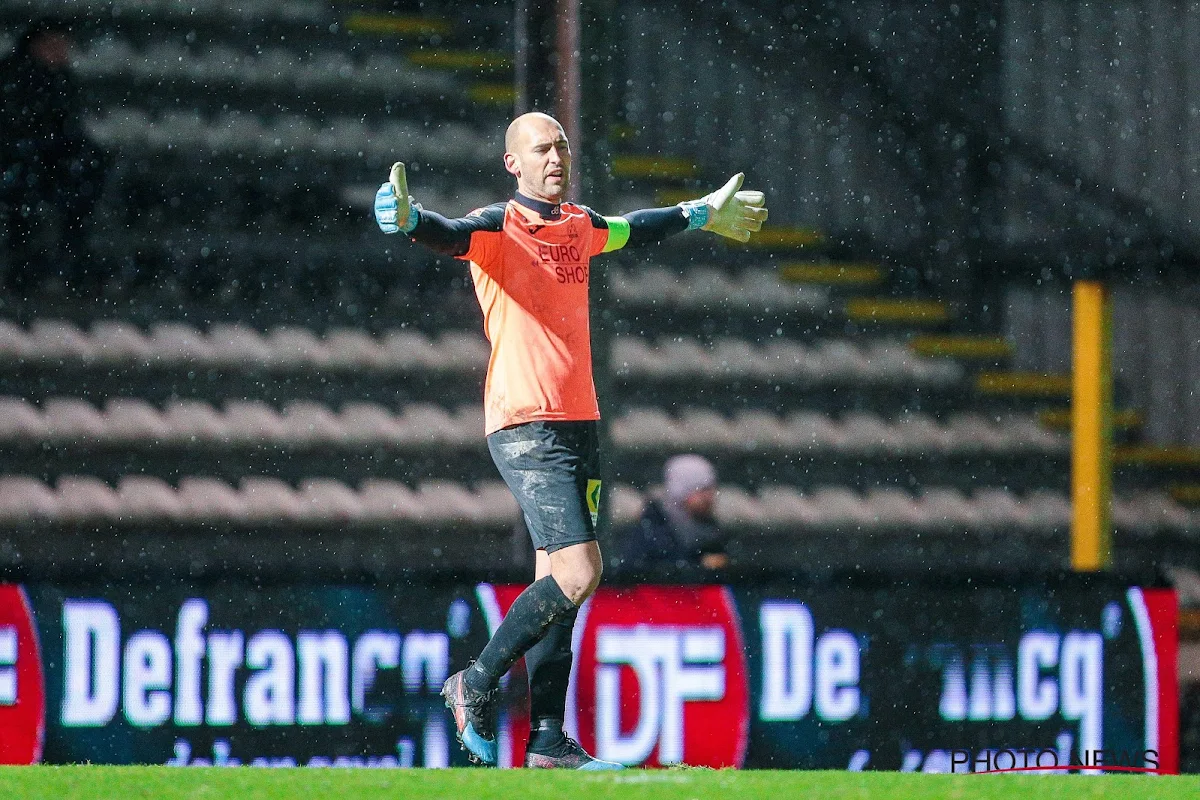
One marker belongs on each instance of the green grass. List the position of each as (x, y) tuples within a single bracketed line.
[(164, 783)]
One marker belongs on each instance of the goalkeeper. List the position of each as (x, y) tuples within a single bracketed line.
[(530, 260)]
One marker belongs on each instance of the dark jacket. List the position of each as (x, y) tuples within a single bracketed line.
[(40, 116), (658, 541)]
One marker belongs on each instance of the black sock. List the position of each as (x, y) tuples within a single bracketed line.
[(545, 735), (549, 666), (526, 622)]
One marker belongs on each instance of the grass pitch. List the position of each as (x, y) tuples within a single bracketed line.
[(167, 783)]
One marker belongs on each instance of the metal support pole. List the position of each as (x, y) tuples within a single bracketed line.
[(1091, 429), (521, 57), (568, 105)]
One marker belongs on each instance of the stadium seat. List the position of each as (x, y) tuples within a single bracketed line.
[(177, 342), (147, 499), (444, 501), (382, 500), (306, 422), (755, 430), (270, 500), (325, 500), (896, 509), (72, 420), (195, 421), (253, 421), (864, 432), (782, 506), (203, 498), (948, 508), (237, 346), (737, 508), (82, 498), (625, 503), (406, 350), (292, 347), (19, 420), (496, 503), (130, 420), (369, 423), (14, 343), (842, 508), (53, 340), (921, 433), (1047, 511), (462, 351), (810, 431), (705, 427), (347, 348), (117, 342), (23, 499), (428, 425)]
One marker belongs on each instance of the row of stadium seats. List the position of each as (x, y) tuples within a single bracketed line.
[(751, 289), (939, 508), (110, 342), (242, 135), (829, 360), (856, 432), (167, 343), (228, 11), (268, 68), (141, 499), (132, 421)]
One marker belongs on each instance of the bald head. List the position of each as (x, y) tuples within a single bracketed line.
[(538, 155), (525, 123)]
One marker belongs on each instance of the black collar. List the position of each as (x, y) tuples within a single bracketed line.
[(547, 210)]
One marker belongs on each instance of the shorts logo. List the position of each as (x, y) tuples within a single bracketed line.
[(593, 500)]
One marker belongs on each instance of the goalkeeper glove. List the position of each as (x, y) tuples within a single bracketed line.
[(388, 204), (727, 211)]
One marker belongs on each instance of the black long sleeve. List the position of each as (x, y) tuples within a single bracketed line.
[(655, 224), (453, 236)]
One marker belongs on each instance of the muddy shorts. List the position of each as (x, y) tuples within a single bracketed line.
[(552, 468)]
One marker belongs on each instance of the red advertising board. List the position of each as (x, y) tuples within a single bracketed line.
[(22, 689)]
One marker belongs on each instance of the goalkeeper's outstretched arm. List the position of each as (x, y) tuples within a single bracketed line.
[(727, 212), (397, 212)]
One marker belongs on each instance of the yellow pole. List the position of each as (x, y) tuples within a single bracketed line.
[(1091, 429)]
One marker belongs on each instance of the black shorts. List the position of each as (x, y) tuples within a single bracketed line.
[(553, 469)]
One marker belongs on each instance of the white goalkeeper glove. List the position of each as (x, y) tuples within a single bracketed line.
[(395, 211), (727, 211)]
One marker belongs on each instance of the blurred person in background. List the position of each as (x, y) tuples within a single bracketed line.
[(48, 166), (678, 529)]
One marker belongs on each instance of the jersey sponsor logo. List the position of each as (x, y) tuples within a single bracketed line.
[(659, 678), (559, 252), (22, 685), (568, 275)]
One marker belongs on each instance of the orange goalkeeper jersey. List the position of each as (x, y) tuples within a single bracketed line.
[(531, 265), (531, 279)]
